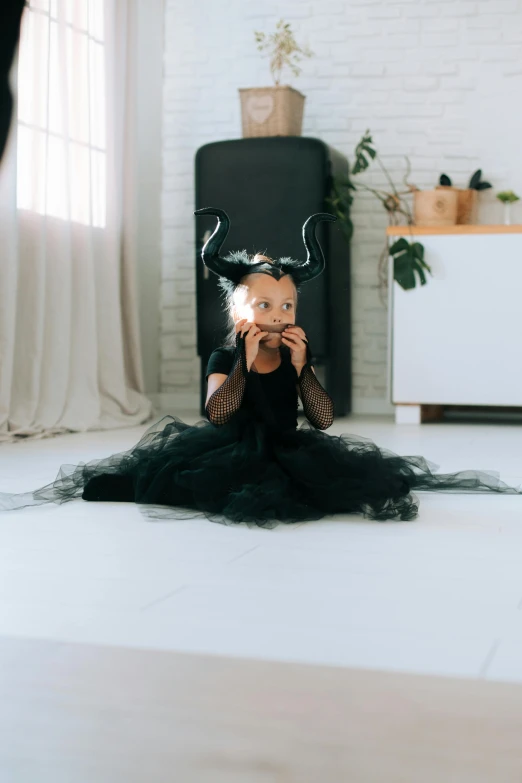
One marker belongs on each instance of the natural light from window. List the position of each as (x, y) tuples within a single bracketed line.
[(61, 164)]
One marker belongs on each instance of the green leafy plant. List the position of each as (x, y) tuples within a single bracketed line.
[(282, 49), (340, 202), (364, 154), (507, 197), (408, 260), (409, 264), (475, 183)]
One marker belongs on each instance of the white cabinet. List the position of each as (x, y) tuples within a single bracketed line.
[(458, 339)]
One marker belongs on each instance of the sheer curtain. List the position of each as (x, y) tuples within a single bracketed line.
[(69, 345)]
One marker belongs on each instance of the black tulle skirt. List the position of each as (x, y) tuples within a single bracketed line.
[(244, 472)]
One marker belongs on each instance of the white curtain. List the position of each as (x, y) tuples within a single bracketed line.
[(69, 345)]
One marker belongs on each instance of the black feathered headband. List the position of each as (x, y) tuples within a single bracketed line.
[(237, 263)]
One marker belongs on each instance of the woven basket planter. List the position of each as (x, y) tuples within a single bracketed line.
[(435, 207), (466, 205), (271, 111)]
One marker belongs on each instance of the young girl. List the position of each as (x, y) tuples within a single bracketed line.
[(250, 461)]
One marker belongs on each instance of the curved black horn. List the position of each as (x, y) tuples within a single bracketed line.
[(211, 248), (314, 263)]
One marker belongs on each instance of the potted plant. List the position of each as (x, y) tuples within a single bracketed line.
[(409, 264), (435, 208), (507, 197), (467, 197), (277, 110)]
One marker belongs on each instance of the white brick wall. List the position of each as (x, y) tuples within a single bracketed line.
[(437, 80)]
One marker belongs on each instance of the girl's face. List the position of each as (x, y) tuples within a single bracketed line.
[(264, 300)]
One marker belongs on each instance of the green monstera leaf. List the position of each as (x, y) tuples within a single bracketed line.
[(408, 259), (364, 153)]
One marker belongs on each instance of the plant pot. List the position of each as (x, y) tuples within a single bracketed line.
[(435, 207), (467, 204), (271, 111), (507, 213)]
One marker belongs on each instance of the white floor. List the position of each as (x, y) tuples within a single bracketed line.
[(438, 595)]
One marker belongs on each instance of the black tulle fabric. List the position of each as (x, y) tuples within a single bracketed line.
[(258, 468)]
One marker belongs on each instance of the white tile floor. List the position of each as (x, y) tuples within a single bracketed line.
[(438, 595)]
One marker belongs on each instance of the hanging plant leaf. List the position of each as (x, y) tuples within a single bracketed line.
[(340, 202), (399, 246), (364, 154), (343, 184), (475, 179), (484, 185), (418, 251), (444, 180), (408, 259)]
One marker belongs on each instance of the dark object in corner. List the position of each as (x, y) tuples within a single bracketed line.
[(10, 19)]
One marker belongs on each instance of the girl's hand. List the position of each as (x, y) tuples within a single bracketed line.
[(253, 335), (294, 337)]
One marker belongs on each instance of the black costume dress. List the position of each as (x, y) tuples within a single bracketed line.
[(251, 462)]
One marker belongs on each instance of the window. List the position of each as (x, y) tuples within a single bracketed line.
[(61, 165)]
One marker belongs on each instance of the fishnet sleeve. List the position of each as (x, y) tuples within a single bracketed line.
[(227, 399), (318, 406)]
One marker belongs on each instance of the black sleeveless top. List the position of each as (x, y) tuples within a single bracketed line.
[(279, 387)]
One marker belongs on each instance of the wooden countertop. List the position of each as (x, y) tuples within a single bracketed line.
[(400, 231)]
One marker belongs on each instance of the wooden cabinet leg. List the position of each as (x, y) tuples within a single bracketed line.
[(432, 413), (407, 414)]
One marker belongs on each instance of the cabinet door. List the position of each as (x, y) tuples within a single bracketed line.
[(458, 339)]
